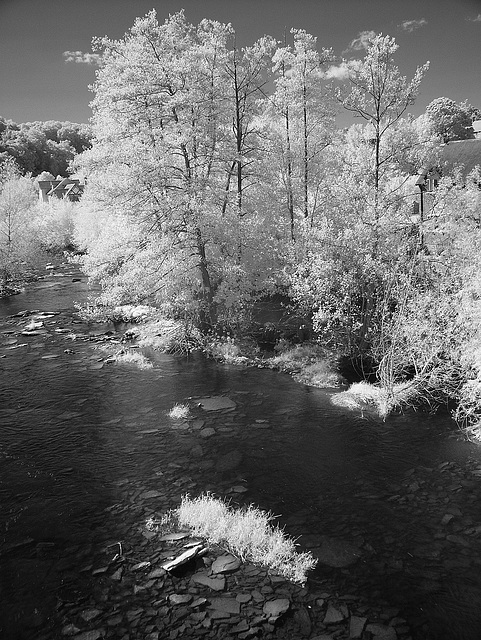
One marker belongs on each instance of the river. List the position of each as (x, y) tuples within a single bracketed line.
[(82, 440)]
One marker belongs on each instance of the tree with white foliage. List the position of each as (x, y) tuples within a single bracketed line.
[(361, 246), (449, 120), (174, 163), (19, 245), (299, 122), (378, 94)]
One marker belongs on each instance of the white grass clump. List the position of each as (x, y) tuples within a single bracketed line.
[(133, 357), (179, 412), (247, 533)]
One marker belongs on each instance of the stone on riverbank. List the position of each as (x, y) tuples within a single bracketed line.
[(225, 605), (275, 608), (381, 632), (216, 584), (225, 564)]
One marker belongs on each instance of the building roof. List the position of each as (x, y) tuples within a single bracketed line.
[(65, 187), (460, 154)]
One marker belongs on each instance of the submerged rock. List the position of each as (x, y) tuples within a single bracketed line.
[(216, 403), (229, 461), (336, 553)]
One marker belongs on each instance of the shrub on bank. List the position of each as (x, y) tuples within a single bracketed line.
[(54, 224), (230, 350), (168, 335), (152, 329), (363, 395), (309, 363)]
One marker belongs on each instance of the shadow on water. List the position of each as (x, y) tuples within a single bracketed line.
[(81, 441)]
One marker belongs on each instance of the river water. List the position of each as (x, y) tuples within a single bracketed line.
[(83, 440)]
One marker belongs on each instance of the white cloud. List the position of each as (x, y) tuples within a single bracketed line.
[(412, 25), (338, 72), (81, 58), (362, 41), (476, 19)]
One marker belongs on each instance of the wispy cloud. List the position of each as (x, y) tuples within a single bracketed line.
[(412, 25), (81, 58), (476, 19), (361, 42)]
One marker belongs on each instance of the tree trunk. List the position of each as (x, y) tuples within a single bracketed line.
[(207, 312), (290, 195), (306, 156)]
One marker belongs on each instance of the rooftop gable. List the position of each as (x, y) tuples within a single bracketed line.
[(462, 154)]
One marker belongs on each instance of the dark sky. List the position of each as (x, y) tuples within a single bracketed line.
[(37, 84)]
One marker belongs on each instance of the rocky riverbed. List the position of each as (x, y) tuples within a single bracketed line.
[(397, 534)]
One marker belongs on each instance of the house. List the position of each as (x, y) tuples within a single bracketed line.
[(61, 188), (459, 157), (477, 129)]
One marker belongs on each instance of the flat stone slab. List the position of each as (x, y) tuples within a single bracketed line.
[(275, 608), (216, 403), (225, 564), (179, 598), (356, 626), (334, 615), (225, 605), (179, 535), (216, 584), (381, 632)]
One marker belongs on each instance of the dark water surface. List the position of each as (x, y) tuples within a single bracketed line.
[(81, 440)]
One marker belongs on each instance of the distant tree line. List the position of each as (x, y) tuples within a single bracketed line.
[(48, 146)]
